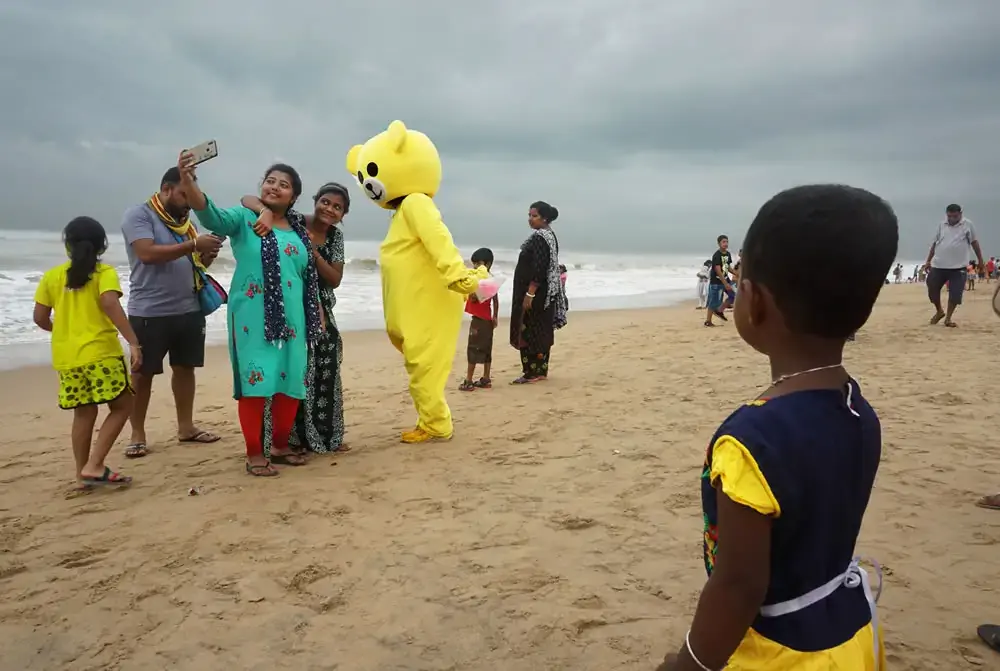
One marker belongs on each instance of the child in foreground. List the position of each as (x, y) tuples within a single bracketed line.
[(788, 476), (484, 322), (85, 295)]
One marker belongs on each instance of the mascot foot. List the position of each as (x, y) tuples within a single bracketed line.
[(418, 435)]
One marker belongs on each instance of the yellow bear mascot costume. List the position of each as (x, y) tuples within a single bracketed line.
[(424, 279)]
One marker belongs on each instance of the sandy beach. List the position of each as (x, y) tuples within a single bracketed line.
[(560, 529)]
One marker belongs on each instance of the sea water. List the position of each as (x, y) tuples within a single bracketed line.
[(595, 282)]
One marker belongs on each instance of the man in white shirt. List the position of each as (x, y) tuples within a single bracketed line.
[(947, 260)]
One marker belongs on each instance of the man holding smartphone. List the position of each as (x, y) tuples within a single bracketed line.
[(163, 307)]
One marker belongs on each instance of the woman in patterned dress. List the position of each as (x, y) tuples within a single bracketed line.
[(273, 317), (319, 424), (538, 306)]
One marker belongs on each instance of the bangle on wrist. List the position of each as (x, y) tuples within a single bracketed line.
[(694, 657), (530, 295)]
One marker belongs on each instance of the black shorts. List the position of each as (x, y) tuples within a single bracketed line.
[(180, 336), (480, 341), (955, 278)]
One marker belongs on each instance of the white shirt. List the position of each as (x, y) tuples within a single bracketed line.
[(951, 245)]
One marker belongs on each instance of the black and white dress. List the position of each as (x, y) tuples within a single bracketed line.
[(319, 424)]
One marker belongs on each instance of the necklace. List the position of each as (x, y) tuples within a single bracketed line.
[(788, 376)]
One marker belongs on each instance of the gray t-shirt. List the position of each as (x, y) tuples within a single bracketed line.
[(162, 289), (951, 245)]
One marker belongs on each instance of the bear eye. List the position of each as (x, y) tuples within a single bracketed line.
[(372, 170), (361, 178)]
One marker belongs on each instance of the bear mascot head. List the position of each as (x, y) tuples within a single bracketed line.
[(394, 164)]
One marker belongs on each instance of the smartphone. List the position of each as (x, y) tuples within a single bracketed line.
[(204, 151)]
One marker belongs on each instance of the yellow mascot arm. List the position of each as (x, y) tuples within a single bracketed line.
[(424, 220)]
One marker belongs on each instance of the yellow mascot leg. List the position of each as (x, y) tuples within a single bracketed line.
[(429, 366)]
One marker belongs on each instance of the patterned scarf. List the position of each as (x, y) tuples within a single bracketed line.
[(184, 229), (555, 288), (276, 330)]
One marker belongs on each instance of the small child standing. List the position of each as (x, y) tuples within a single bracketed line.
[(484, 321), (86, 297), (787, 477), (703, 275)]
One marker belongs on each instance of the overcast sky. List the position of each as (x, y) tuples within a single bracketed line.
[(652, 125)]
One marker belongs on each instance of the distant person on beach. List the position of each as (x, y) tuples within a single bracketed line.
[(162, 246), (703, 275), (86, 297), (485, 317), (991, 269), (562, 281), (734, 279), (319, 422), (787, 477), (897, 273), (719, 288), (274, 313), (946, 262), (537, 306)]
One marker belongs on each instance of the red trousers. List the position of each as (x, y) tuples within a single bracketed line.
[(251, 411)]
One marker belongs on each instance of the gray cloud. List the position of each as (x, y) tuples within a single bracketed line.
[(651, 126)]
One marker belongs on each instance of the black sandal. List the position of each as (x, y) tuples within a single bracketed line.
[(261, 470), (483, 383), (467, 385), (108, 478)]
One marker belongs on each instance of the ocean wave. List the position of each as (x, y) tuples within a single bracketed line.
[(366, 264)]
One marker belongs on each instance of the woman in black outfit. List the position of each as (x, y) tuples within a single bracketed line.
[(538, 306)]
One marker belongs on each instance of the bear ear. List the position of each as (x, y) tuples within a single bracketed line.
[(397, 135), (352, 160)]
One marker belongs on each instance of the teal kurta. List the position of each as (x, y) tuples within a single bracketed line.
[(260, 368)]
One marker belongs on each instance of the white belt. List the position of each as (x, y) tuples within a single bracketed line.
[(853, 577)]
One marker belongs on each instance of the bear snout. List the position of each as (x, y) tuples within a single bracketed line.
[(374, 189)]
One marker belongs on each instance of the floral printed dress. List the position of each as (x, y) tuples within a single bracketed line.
[(262, 368), (319, 424)]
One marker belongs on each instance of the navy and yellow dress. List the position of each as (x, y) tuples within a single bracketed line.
[(808, 460)]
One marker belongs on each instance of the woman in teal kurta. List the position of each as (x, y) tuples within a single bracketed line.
[(273, 311)]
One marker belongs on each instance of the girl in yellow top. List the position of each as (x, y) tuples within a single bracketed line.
[(85, 295), (787, 477)]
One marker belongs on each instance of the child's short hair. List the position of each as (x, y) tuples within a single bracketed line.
[(719, 239), (562, 267), (823, 251), (483, 255)]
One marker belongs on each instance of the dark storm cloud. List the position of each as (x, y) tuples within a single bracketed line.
[(662, 122)]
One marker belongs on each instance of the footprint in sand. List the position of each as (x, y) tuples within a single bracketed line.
[(81, 558)]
